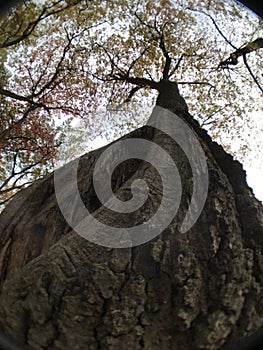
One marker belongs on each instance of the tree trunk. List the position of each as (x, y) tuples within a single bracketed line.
[(196, 290)]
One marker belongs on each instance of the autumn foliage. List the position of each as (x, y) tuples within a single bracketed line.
[(67, 60)]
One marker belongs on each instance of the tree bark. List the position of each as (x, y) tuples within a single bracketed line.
[(197, 290)]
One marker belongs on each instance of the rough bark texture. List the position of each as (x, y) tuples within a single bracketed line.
[(199, 290)]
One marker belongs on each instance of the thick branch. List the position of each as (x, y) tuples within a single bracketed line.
[(15, 96), (158, 35), (177, 65), (168, 59), (133, 92), (136, 81), (250, 47)]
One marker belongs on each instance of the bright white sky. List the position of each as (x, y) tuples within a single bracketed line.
[(255, 179), (253, 165)]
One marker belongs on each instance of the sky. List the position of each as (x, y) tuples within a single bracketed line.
[(253, 163), (255, 180)]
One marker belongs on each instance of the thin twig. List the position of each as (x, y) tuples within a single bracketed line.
[(251, 73), (215, 24)]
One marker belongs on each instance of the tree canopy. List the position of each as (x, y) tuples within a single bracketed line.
[(97, 64)]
